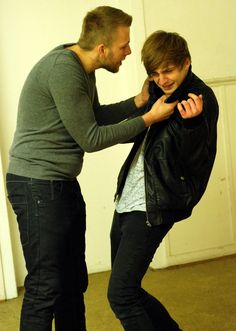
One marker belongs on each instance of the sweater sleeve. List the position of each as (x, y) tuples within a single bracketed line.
[(74, 95), (114, 113)]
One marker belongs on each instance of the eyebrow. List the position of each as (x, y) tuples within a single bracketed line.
[(157, 72), (167, 68)]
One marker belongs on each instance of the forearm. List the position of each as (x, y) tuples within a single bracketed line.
[(114, 113)]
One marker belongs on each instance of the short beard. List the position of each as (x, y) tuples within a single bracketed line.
[(112, 69), (109, 65)]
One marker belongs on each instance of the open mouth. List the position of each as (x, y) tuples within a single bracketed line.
[(168, 86)]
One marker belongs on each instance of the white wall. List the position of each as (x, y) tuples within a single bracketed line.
[(208, 26), (29, 29), (7, 275)]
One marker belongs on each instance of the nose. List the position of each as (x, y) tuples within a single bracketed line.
[(161, 79)]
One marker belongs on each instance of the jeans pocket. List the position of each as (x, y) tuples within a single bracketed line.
[(44, 192), (18, 199)]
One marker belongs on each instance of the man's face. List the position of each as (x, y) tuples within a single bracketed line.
[(117, 52), (171, 77)]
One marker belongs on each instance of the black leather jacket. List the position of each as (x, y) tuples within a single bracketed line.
[(179, 155)]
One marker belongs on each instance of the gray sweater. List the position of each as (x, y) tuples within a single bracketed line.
[(60, 118)]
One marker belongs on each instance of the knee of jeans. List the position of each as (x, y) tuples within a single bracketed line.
[(114, 293), (120, 295)]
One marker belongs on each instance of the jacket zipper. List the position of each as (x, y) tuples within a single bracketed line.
[(145, 186)]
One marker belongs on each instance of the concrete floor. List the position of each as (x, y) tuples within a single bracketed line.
[(200, 296)]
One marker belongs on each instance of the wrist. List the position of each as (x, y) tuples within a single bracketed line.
[(148, 119), (139, 101)]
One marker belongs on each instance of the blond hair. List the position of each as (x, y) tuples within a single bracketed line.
[(163, 48), (100, 24)]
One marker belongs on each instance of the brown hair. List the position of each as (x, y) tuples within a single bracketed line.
[(163, 48), (100, 24)]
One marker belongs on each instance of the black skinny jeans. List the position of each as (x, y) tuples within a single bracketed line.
[(51, 220), (133, 244)]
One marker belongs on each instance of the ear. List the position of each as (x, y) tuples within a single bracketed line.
[(187, 63), (101, 49)]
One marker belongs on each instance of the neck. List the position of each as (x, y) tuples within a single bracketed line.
[(88, 58)]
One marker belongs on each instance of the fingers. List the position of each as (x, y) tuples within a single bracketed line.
[(191, 107), (183, 110), (163, 98), (194, 96), (197, 99), (161, 110), (174, 103), (160, 100)]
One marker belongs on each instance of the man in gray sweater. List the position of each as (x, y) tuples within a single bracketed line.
[(60, 118)]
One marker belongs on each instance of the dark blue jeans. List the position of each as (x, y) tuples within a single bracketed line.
[(133, 244), (51, 219)]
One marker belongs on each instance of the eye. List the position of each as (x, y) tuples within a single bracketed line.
[(153, 75), (125, 46), (169, 69)]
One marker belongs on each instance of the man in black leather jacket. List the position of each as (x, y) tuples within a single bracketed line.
[(163, 178)]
